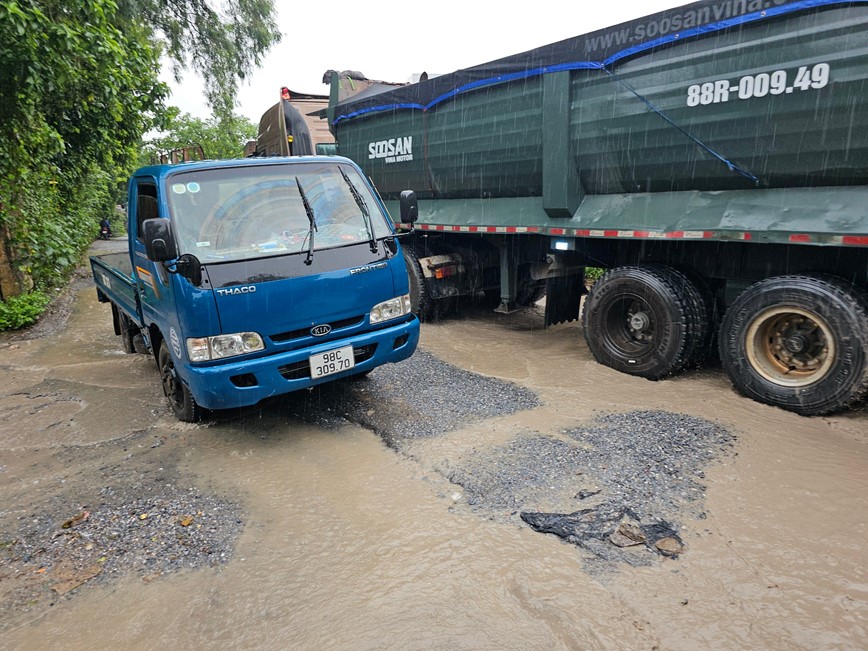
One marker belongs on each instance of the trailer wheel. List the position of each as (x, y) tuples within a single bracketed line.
[(180, 399), (706, 317), (421, 303), (646, 321), (799, 343)]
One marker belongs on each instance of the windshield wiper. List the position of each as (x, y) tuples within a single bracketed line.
[(360, 202), (310, 218)]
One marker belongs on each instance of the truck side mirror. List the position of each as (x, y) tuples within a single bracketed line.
[(160, 245), (409, 207), (189, 266)]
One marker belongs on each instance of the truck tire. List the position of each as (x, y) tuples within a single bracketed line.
[(647, 321), (706, 315), (127, 334), (180, 399), (421, 303), (799, 343)]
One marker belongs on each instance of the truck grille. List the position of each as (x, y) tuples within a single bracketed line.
[(300, 370), (305, 332)]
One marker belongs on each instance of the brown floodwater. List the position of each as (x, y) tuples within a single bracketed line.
[(348, 544)]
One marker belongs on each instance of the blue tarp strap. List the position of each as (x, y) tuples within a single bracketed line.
[(732, 166), (710, 28)]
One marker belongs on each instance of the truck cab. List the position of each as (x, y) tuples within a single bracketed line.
[(258, 277)]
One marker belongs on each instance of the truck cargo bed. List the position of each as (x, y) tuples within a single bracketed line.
[(113, 275), (764, 99)]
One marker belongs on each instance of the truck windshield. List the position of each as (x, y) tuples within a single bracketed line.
[(256, 211)]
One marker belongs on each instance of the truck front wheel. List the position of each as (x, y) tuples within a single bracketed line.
[(647, 321), (180, 399), (799, 343)]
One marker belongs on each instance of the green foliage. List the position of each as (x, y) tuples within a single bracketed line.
[(78, 89), (76, 95), (22, 310), (218, 138), (592, 274), (224, 44)]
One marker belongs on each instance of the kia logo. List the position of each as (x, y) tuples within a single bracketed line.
[(321, 330)]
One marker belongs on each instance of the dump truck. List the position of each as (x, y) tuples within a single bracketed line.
[(712, 159), (252, 278), (294, 127)]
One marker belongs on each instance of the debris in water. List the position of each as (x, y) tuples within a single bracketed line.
[(76, 519), (627, 534), (645, 470), (669, 546), (75, 579)]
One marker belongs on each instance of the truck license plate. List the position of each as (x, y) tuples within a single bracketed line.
[(331, 362)]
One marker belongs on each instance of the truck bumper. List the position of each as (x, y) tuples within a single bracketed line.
[(246, 382)]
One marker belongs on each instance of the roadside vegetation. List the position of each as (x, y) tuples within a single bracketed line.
[(79, 89), (218, 138)]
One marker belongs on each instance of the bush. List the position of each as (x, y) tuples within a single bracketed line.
[(592, 274), (23, 310)]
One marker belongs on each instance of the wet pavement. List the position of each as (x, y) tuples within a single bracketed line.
[(397, 511)]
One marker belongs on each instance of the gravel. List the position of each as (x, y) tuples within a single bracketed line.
[(145, 530), (639, 471), (418, 398)]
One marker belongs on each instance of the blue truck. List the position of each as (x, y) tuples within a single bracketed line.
[(256, 277)]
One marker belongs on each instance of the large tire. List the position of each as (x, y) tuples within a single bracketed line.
[(180, 399), (421, 303), (798, 342), (647, 321), (707, 316)]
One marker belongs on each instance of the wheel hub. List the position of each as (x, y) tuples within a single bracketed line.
[(790, 347), (170, 384), (796, 343), (638, 322)]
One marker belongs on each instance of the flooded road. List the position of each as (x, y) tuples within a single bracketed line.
[(363, 524)]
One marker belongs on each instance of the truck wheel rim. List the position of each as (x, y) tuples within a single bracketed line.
[(171, 386), (790, 347), (630, 325)]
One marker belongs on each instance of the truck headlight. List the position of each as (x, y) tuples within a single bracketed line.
[(391, 309), (203, 349)]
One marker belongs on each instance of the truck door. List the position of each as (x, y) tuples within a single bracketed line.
[(152, 280)]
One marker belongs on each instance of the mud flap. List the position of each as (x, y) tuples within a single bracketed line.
[(563, 295)]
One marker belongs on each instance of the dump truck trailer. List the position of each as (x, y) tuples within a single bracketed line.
[(712, 158)]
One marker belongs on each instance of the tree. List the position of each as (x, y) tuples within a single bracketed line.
[(224, 45), (218, 138), (78, 89), (76, 93)]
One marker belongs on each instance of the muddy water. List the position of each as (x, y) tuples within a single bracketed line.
[(348, 544)]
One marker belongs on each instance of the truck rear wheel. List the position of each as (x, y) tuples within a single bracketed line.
[(421, 303), (646, 321), (180, 399), (799, 343), (127, 334)]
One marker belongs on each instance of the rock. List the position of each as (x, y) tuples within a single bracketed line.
[(75, 579), (669, 546), (627, 534)]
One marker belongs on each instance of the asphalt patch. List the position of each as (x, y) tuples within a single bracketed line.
[(618, 488)]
